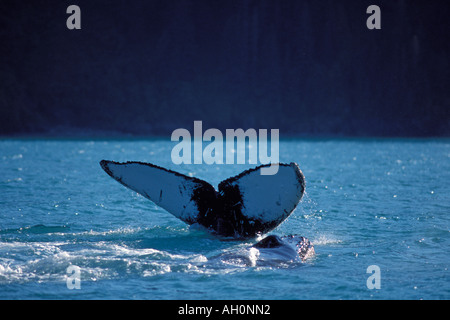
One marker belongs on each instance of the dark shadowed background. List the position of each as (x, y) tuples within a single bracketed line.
[(309, 68)]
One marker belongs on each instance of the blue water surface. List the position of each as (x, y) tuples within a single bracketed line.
[(367, 202)]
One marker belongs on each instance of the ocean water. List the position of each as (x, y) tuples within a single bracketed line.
[(368, 202)]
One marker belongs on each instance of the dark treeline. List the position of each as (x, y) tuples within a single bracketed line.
[(149, 67)]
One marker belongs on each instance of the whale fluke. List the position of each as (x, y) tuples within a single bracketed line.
[(244, 206)]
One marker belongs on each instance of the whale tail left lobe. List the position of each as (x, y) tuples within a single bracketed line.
[(180, 195)]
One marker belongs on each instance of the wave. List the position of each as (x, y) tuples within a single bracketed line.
[(48, 261), (36, 229), (104, 257)]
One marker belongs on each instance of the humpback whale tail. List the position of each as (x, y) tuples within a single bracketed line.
[(244, 206)]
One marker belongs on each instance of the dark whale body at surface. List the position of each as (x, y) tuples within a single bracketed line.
[(298, 246), (272, 251)]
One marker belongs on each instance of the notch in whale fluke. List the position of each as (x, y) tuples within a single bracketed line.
[(244, 206)]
